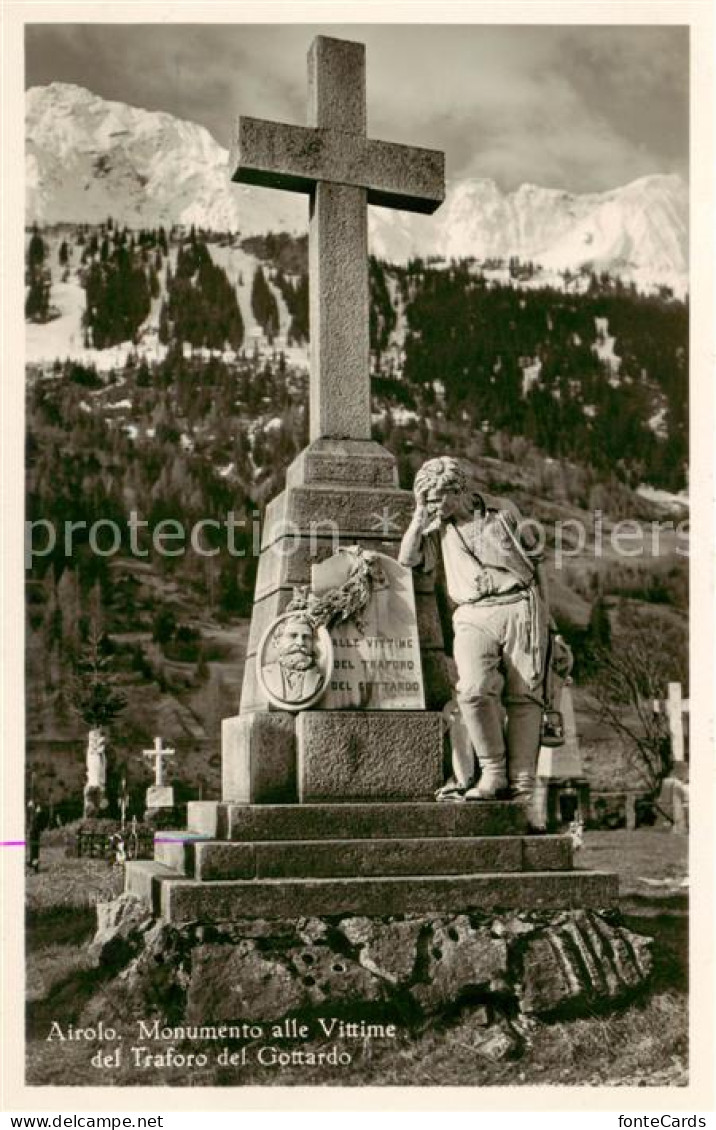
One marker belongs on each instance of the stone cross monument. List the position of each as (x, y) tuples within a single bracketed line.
[(328, 805)]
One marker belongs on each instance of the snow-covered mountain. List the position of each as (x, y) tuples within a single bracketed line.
[(639, 228), (88, 158)]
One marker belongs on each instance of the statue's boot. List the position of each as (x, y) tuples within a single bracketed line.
[(483, 717), (524, 718)]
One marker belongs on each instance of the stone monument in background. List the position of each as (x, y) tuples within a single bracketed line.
[(95, 790), (159, 795)]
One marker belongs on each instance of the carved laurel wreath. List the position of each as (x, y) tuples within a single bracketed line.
[(347, 601)]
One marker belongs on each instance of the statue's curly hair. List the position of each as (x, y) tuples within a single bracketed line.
[(443, 472), (446, 474)]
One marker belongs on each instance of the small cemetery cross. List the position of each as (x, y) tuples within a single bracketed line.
[(342, 170), (158, 753), (675, 707)]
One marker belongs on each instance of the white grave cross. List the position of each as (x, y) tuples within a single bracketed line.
[(158, 753), (675, 708)]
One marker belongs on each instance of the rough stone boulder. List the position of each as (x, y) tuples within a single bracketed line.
[(154, 979), (461, 960), (120, 925), (386, 949), (580, 960), (229, 981), (510, 965)]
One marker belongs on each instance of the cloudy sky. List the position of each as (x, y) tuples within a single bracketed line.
[(580, 108)]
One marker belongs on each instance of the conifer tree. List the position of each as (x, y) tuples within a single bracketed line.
[(94, 694), (38, 280), (264, 305)]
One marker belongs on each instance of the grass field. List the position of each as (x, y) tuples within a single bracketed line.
[(643, 1044)]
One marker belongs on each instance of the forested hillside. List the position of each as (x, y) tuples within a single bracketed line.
[(563, 401)]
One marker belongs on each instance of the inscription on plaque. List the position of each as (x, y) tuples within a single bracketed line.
[(376, 655)]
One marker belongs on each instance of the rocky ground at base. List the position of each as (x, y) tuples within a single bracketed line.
[(512, 966)]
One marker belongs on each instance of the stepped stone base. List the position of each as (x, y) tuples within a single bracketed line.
[(277, 861), (181, 900), (217, 859), (217, 820), (374, 859)]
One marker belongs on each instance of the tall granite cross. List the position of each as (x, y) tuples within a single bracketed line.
[(342, 170)]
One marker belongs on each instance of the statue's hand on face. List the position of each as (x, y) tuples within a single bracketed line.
[(422, 517), (440, 505)]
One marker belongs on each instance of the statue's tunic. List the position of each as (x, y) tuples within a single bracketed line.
[(500, 637)]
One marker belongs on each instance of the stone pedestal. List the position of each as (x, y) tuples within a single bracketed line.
[(380, 755), (159, 796), (338, 493), (258, 758)]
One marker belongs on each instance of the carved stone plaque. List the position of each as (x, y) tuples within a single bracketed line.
[(376, 654)]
